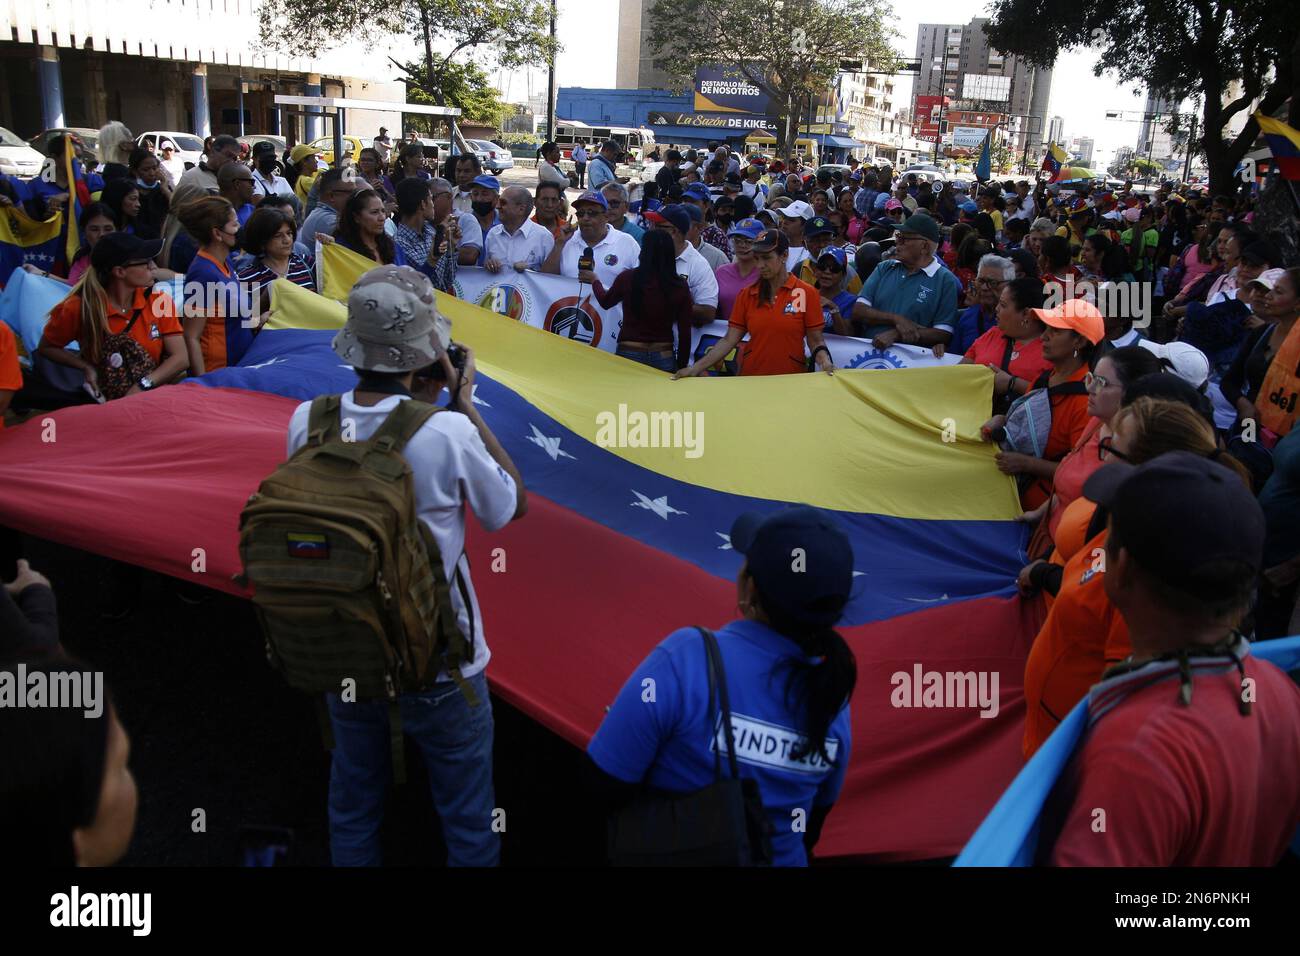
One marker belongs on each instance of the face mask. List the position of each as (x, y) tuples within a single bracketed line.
[(482, 208), (140, 184), (723, 218)]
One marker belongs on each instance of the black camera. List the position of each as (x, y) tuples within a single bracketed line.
[(456, 355)]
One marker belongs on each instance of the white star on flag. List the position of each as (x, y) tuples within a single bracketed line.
[(726, 541), (659, 506), (273, 361), (549, 445)]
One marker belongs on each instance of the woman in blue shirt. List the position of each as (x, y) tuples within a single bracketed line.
[(789, 677)]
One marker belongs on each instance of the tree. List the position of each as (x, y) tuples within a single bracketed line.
[(463, 85), (790, 48), (498, 33), (1246, 49)]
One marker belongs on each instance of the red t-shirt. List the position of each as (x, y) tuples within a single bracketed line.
[(1074, 469), (1027, 360), (157, 318), (777, 328), (1198, 785), (11, 375)]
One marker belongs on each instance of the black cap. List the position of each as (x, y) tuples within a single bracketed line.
[(263, 147), (119, 248), (1179, 514), (801, 561), (819, 226), (772, 239)]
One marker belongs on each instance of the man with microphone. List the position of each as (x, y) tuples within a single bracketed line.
[(593, 247)]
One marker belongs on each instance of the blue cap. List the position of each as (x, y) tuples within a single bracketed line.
[(749, 229), (698, 191), (837, 253), (801, 561), (819, 226), (696, 214), (969, 206), (487, 182), (675, 215), (597, 198)]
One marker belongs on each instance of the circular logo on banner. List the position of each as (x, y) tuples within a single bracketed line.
[(505, 300), (572, 320), (875, 358)]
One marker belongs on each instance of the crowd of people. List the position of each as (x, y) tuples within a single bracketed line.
[(1145, 379)]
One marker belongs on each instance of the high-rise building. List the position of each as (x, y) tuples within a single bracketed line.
[(636, 67), (1056, 129), (957, 62), (1082, 147), (1154, 139)]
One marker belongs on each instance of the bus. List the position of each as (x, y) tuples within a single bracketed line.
[(762, 143), (637, 140)]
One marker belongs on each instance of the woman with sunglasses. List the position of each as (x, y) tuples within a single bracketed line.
[(1105, 385), (831, 271), (1083, 634), (742, 271), (114, 297)]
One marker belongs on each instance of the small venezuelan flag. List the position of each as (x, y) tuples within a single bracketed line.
[(1054, 160), (1283, 143)]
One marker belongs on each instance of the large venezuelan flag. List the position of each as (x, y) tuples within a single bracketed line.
[(622, 545)]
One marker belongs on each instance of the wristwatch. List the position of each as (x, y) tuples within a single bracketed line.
[(146, 383)]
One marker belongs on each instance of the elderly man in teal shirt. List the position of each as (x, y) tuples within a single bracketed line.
[(911, 298)]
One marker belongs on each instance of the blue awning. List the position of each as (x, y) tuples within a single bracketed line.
[(695, 135), (837, 142)]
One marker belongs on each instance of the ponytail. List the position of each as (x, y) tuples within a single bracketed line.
[(93, 290), (819, 686)]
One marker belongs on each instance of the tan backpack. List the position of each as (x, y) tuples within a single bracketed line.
[(348, 582)]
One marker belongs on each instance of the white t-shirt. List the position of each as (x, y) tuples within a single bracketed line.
[(275, 185), (796, 255), (530, 244), (699, 276), (451, 466), (613, 254)]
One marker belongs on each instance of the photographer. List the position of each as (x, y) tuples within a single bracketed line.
[(455, 460)]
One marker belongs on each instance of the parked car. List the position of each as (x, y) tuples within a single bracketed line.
[(445, 150), (498, 157), (926, 171), (89, 141), (188, 147), (326, 146), (17, 158)]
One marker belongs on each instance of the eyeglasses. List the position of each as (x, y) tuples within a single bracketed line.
[(1106, 447), (1089, 380), (588, 212), (988, 283)]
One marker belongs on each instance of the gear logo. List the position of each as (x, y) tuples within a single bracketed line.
[(875, 359)]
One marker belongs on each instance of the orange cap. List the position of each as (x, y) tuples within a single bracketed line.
[(1077, 315)]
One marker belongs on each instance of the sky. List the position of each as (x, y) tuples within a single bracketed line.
[(1081, 99)]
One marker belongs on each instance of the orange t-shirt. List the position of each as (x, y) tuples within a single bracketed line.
[(11, 375), (158, 318), (1069, 419), (1082, 636), (777, 328)]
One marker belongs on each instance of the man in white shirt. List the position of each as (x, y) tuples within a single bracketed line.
[(516, 240), (455, 461), (612, 251), (794, 218), (676, 221), (467, 169), (265, 181), (173, 164)]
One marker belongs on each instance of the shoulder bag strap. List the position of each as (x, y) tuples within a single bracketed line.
[(323, 419), (402, 423), (715, 661), (1006, 355)]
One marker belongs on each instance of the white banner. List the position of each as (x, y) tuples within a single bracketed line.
[(563, 306)]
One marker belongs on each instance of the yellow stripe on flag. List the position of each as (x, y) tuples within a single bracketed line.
[(340, 268), (74, 237), (1277, 128), (897, 442), (19, 229)]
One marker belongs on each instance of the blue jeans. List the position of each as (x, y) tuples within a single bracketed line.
[(665, 363), (455, 741)]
